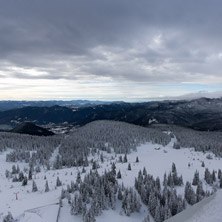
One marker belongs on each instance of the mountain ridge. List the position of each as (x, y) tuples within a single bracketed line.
[(200, 114)]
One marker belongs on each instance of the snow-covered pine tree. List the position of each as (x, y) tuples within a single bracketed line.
[(78, 178), (30, 173), (189, 194), (8, 218), (113, 168), (46, 186), (125, 159), (219, 175), (200, 194), (34, 186), (119, 176), (207, 176), (58, 182), (196, 178), (137, 159), (203, 164), (25, 181), (157, 216)]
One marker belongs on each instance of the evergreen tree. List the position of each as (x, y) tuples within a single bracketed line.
[(34, 186), (78, 178), (167, 212), (21, 176), (203, 164), (200, 194), (119, 176), (101, 157), (152, 203), (114, 168), (120, 195), (94, 165), (25, 181), (157, 216), (120, 159), (144, 171), (129, 167), (83, 170), (14, 171), (189, 194), (15, 179), (8, 218), (174, 169), (165, 180), (17, 169), (219, 174), (214, 176), (207, 176), (125, 159), (137, 159), (46, 186), (58, 182), (196, 178), (76, 205), (30, 173)]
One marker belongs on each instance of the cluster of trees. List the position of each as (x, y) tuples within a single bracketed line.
[(30, 149), (95, 193), (173, 179), (200, 140), (162, 203), (108, 136), (193, 197), (211, 178), (104, 135)]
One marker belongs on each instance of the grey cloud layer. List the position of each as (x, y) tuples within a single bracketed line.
[(149, 41)]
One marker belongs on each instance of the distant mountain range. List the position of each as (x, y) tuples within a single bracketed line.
[(199, 114), (7, 105)]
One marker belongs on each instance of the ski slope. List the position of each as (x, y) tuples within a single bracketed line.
[(155, 158)]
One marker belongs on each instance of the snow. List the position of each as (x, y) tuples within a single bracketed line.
[(208, 210), (42, 214), (157, 162)]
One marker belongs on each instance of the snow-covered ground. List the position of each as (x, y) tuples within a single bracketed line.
[(156, 158), (208, 210)]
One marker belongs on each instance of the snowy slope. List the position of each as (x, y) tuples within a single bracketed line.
[(156, 158), (208, 210)]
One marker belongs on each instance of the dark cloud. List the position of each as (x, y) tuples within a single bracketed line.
[(152, 41)]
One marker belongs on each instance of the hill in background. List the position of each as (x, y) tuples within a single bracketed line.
[(31, 129)]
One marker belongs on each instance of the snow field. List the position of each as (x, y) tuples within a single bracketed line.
[(155, 158)]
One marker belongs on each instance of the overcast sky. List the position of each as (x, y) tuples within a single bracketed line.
[(109, 49)]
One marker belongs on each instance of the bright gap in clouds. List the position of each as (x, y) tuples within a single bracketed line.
[(116, 50), (62, 89)]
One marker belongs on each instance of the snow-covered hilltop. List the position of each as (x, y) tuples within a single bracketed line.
[(110, 171)]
